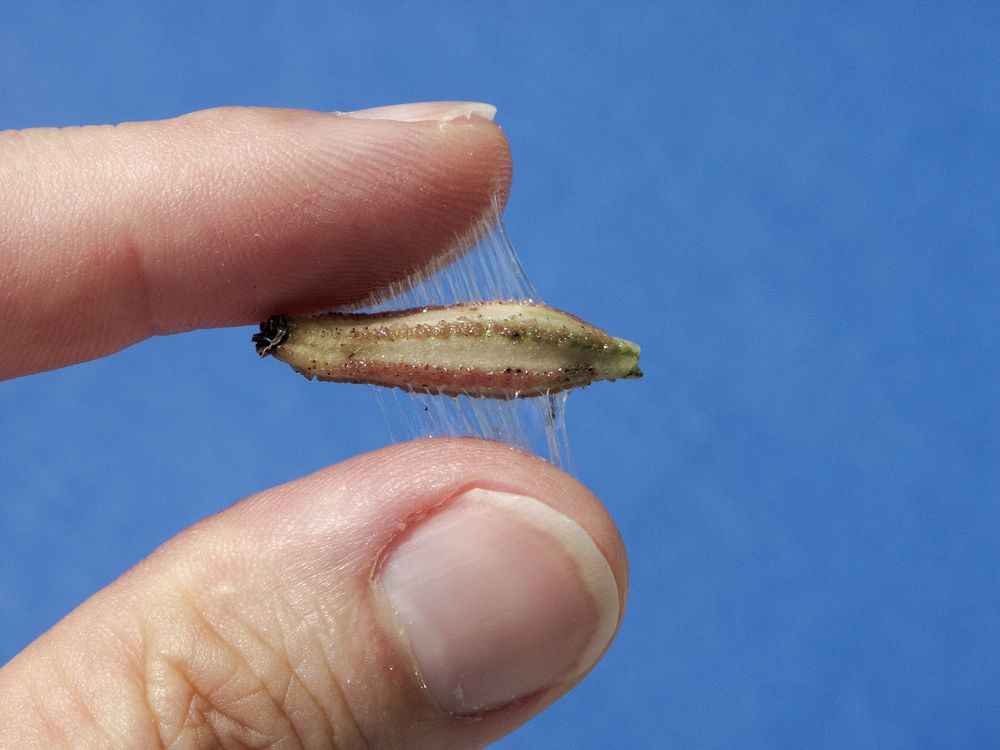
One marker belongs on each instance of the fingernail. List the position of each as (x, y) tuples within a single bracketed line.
[(424, 111), (499, 596)]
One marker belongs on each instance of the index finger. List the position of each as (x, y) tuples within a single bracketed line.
[(111, 234)]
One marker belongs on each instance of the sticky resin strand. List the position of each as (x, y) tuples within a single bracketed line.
[(482, 266)]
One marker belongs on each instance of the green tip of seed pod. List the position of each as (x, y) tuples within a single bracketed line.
[(273, 331), (631, 352)]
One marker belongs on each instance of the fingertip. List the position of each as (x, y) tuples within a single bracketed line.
[(223, 217), (318, 210), (497, 579), (430, 594), (407, 480)]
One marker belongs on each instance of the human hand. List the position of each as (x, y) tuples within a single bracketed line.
[(430, 594)]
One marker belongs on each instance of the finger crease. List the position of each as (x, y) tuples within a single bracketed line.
[(140, 280), (262, 685), (81, 702), (295, 679), (335, 681)]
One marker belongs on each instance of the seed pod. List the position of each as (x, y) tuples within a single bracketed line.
[(486, 349)]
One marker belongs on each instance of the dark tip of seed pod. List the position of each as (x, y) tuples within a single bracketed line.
[(273, 331), (635, 372)]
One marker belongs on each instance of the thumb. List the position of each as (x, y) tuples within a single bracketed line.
[(383, 602)]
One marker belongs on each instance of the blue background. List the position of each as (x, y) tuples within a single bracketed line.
[(793, 207)]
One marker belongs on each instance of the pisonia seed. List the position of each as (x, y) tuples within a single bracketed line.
[(485, 349)]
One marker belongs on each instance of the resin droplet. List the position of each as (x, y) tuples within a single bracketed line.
[(486, 349)]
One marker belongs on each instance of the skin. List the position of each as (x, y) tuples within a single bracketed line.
[(257, 622)]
